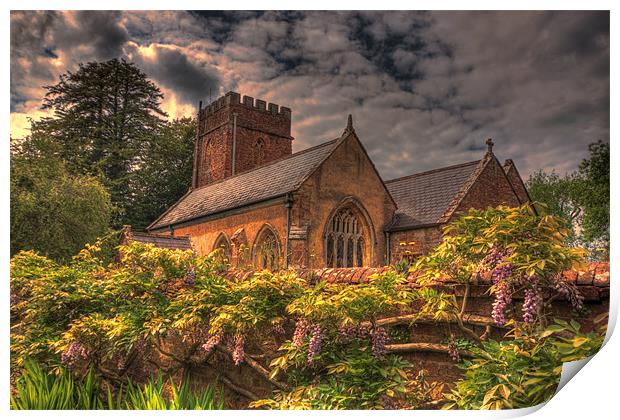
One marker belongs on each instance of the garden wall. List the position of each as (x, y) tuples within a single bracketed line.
[(431, 351)]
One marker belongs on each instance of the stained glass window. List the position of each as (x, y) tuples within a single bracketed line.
[(344, 242)]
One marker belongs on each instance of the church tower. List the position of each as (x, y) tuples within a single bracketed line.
[(235, 136)]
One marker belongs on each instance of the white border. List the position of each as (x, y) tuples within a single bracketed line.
[(592, 394)]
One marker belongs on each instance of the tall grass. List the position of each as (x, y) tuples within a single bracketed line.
[(37, 389)]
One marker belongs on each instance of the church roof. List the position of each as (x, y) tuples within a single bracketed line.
[(268, 181), (424, 198)]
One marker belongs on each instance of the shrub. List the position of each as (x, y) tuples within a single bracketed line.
[(523, 372)]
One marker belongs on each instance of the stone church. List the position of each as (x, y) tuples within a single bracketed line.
[(326, 206)]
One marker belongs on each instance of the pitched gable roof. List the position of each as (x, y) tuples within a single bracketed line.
[(426, 198), (265, 182), (514, 177)]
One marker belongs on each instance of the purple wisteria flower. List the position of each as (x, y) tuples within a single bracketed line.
[(379, 338), (314, 347), (238, 353), (301, 329), (73, 354), (213, 341), (531, 304)]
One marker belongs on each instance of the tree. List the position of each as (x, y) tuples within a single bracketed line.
[(559, 195), (581, 198), (52, 211), (594, 193), (166, 172), (105, 115)]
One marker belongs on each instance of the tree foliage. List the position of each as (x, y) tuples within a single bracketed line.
[(105, 115), (581, 198), (107, 123), (52, 211), (594, 194), (165, 172)]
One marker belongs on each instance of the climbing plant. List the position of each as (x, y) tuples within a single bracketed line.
[(318, 344)]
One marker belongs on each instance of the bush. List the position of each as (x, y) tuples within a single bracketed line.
[(523, 372), (54, 212)]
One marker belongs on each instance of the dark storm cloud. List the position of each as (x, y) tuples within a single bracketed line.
[(173, 69), (99, 30), (425, 88)]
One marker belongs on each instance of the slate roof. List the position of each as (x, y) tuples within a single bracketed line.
[(423, 198), (268, 181), (162, 241)]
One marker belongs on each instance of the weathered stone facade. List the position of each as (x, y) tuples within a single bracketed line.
[(326, 206), (346, 177), (240, 228)]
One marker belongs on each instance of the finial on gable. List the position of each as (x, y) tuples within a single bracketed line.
[(490, 144), (349, 128)]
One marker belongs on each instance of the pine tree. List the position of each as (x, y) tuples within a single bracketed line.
[(105, 115)]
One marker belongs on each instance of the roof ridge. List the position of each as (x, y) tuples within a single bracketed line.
[(273, 162), (431, 171), (156, 235)]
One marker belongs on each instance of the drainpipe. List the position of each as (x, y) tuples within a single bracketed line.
[(234, 145), (196, 149), (387, 247), (289, 213)]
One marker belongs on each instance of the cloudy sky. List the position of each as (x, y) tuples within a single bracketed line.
[(425, 88)]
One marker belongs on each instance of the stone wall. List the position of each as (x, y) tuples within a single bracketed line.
[(415, 241), (346, 176), (593, 284), (239, 228)]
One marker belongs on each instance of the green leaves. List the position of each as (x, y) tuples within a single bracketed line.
[(37, 389), (523, 372)]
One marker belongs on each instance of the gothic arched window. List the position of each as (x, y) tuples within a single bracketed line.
[(222, 243), (344, 241), (259, 151), (266, 255)]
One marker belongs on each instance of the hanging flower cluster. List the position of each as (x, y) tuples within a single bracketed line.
[(213, 340), (278, 327), (301, 329), (501, 273), (570, 292), (453, 350), (190, 277), (379, 338), (238, 351), (73, 354), (314, 347), (532, 302), (347, 332)]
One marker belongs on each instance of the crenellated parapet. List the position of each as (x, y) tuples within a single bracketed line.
[(236, 100)]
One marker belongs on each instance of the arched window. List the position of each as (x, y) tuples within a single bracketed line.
[(259, 151), (266, 255), (222, 243), (344, 241)]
